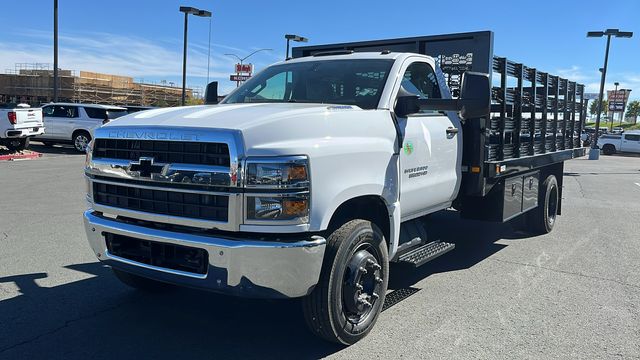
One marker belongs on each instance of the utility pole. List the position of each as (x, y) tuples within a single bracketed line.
[(55, 50)]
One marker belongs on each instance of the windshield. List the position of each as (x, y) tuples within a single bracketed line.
[(114, 114), (348, 82)]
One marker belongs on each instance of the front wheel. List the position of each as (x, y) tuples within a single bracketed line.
[(348, 298), (608, 149), (542, 219), (18, 144)]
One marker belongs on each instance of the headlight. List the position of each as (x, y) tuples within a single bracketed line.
[(278, 173), (289, 208), (288, 202)]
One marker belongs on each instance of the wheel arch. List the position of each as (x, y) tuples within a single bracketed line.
[(367, 207)]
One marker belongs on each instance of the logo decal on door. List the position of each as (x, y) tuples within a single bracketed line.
[(408, 147)]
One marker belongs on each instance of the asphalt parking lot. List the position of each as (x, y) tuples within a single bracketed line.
[(573, 293)]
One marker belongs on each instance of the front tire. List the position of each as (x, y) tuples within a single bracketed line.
[(81, 140), (542, 219), (348, 298), (18, 144)]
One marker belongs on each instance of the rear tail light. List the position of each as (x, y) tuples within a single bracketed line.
[(12, 117)]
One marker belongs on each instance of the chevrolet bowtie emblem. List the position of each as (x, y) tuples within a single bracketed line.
[(145, 167)]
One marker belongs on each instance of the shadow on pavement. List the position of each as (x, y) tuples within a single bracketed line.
[(98, 317), (58, 149)]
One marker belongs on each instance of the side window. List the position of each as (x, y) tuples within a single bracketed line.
[(96, 113), (632, 137), (274, 88), (420, 79), (47, 111), (65, 111)]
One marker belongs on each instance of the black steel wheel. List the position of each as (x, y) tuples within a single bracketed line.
[(348, 298), (543, 218)]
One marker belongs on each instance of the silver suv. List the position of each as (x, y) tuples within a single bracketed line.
[(74, 123)]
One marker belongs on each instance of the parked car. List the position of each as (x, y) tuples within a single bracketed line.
[(629, 141), (18, 123), (617, 130), (74, 123)]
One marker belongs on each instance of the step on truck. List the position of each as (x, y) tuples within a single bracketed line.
[(314, 175)]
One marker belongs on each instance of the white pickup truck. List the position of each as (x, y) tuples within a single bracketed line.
[(629, 141), (310, 178), (18, 124)]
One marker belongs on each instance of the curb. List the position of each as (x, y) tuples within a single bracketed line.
[(20, 156)]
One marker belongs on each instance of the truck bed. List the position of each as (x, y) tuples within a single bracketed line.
[(536, 118)]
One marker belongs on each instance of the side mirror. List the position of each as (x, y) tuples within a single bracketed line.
[(211, 93), (406, 103), (475, 95)]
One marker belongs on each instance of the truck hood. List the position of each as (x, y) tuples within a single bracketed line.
[(267, 129), (227, 116)]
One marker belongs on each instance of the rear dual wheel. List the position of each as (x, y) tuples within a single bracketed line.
[(348, 298), (542, 219)]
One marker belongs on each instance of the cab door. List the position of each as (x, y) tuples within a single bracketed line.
[(630, 143), (431, 148)]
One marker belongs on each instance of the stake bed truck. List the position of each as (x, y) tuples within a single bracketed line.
[(311, 177)]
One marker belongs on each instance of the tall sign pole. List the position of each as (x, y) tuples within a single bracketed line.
[(55, 50)]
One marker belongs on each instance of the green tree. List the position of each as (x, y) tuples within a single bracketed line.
[(593, 108), (633, 110)]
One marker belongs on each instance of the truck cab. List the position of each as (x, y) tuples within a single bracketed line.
[(314, 175)]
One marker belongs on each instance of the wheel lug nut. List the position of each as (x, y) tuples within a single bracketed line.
[(359, 287), (375, 296), (378, 280), (376, 266), (362, 269)]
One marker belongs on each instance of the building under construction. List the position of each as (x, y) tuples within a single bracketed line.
[(33, 84)]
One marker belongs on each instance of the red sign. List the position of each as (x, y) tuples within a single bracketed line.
[(244, 68), (239, 77), (617, 99)]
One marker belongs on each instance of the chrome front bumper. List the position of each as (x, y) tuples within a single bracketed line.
[(249, 268)]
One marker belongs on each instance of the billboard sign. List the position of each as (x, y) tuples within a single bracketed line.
[(591, 96), (239, 77), (244, 69), (617, 99)]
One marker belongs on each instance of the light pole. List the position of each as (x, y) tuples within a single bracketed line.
[(243, 59), (55, 50), (594, 153), (296, 38), (197, 12), (615, 98)]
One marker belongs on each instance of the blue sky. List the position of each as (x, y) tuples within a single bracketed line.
[(143, 38)]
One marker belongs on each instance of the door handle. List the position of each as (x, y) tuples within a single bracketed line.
[(452, 130)]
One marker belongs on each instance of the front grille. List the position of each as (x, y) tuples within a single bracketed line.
[(197, 153), (174, 203), (169, 256)]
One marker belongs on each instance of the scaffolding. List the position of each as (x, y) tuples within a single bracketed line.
[(33, 83)]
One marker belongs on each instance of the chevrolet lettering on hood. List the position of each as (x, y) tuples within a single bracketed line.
[(153, 135)]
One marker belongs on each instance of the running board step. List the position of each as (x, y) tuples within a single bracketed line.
[(426, 253)]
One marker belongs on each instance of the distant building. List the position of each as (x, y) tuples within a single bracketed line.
[(33, 84)]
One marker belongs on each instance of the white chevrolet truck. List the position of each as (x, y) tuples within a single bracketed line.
[(312, 177), (18, 124)]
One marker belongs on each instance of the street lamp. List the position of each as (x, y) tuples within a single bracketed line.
[(594, 153), (296, 38), (197, 12), (245, 58)]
